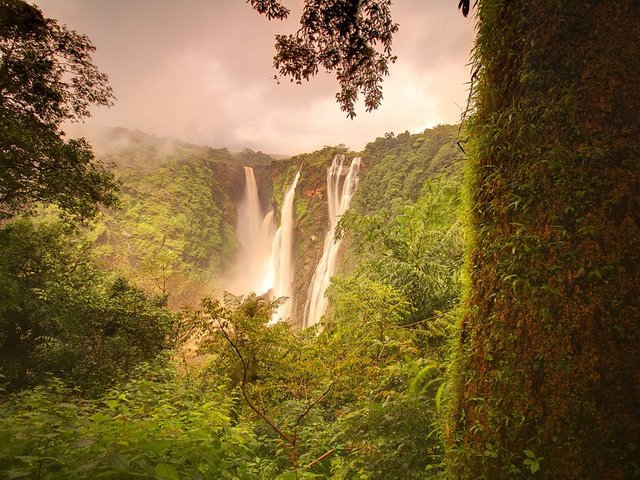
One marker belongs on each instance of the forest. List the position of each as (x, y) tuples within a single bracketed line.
[(476, 285)]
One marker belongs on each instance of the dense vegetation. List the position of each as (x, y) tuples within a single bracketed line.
[(47, 78), (61, 315), (521, 365), (175, 229), (396, 166), (359, 399)]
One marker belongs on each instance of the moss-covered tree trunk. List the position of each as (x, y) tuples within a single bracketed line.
[(549, 369)]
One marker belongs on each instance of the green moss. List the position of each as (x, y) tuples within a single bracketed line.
[(544, 375)]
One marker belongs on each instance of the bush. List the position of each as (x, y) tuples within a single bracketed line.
[(60, 315)]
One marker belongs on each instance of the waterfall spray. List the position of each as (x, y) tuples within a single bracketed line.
[(338, 200), (265, 262)]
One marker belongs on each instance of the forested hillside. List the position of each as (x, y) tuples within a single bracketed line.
[(394, 169), (174, 233)]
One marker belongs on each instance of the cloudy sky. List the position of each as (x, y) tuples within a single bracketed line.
[(201, 71)]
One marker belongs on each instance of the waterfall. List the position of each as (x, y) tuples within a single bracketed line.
[(282, 253), (255, 233), (249, 213), (267, 234), (266, 259), (265, 262), (338, 199)]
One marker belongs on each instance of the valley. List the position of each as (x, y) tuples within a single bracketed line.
[(191, 220)]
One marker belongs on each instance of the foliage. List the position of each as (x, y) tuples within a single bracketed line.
[(156, 426), (46, 78), (351, 38), (418, 250), (59, 314), (271, 367), (368, 387), (386, 387), (395, 167), (358, 397), (399, 304), (174, 231)]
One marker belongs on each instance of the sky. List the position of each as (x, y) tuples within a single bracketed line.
[(202, 71)]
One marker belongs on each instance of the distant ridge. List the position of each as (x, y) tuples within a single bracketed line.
[(135, 148)]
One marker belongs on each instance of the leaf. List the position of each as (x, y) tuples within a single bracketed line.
[(291, 475), (16, 474), (84, 442), (439, 397), (414, 386), (530, 454), (119, 463), (164, 471)]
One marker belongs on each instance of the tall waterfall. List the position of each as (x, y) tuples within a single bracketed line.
[(282, 253), (265, 262), (255, 234), (338, 199)]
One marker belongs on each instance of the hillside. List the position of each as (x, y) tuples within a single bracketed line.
[(394, 170), (174, 233)]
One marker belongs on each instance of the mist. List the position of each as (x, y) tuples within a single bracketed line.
[(201, 71)]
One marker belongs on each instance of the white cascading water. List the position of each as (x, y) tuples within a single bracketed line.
[(266, 258), (255, 233), (282, 254), (338, 199)]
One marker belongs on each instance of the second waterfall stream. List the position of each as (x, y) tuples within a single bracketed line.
[(282, 253), (339, 194)]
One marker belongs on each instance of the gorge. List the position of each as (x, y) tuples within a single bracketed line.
[(198, 221)]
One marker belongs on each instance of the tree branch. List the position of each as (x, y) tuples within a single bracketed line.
[(243, 388), (308, 409), (321, 458)]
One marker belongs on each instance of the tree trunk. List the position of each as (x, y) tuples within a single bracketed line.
[(548, 372)]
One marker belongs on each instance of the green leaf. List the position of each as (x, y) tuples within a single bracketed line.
[(164, 471), (439, 397), (414, 386), (291, 475), (119, 463)]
